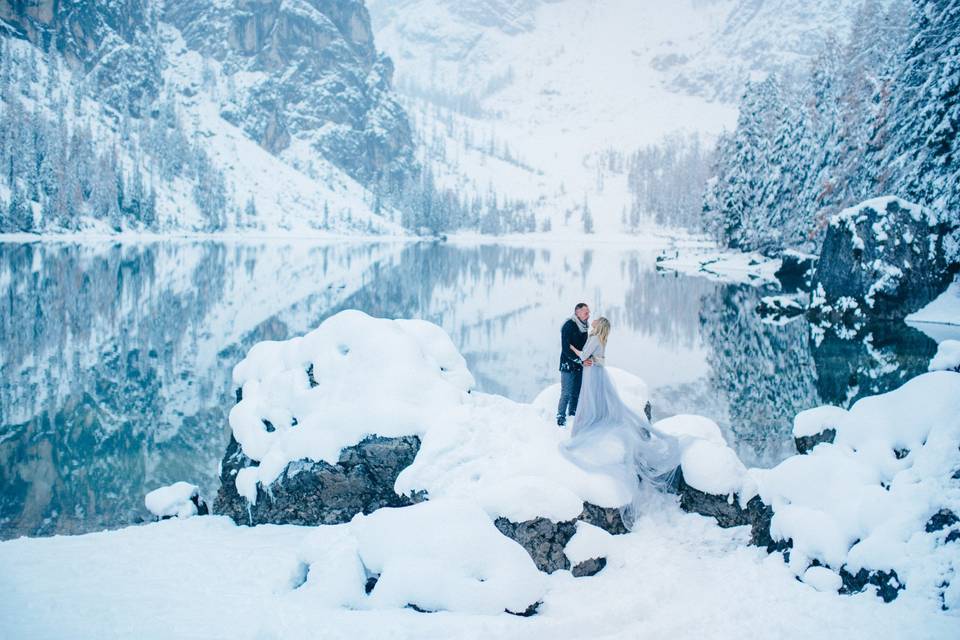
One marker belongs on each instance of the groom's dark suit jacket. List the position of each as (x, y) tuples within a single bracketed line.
[(570, 334)]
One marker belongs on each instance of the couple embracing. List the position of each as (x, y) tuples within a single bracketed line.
[(607, 436)]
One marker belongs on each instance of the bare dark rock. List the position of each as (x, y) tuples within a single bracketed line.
[(805, 444), (312, 493), (891, 262), (545, 539), (796, 271), (729, 513), (941, 520), (590, 567), (888, 583)]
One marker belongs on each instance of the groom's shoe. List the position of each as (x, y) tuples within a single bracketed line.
[(561, 421)]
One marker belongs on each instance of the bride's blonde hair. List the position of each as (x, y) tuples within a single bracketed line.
[(602, 330)]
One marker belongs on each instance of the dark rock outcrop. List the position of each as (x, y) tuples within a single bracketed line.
[(888, 584), (941, 520), (729, 513), (590, 567), (545, 539), (805, 444), (891, 262), (312, 493)]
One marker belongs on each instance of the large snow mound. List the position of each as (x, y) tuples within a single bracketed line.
[(354, 376), (442, 555), (445, 555), (863, 501)]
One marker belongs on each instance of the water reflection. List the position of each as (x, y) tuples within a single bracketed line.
[(115, 359)]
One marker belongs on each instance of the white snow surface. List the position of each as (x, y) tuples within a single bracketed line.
[(722, 265), (947, 357), (863, 500), (945, 309), (445, 555), (172, 500), (675, 576)]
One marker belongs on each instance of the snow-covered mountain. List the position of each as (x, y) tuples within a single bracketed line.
[(205, 115), (525, 97)]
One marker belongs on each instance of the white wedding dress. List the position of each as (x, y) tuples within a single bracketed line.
[(610, 437)]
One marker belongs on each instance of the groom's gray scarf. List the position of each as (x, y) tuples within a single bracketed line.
[(580, 325)]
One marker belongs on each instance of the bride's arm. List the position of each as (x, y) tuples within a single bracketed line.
[(588, 349)]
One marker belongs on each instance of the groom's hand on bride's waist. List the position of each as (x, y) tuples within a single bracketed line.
[(588, 362)]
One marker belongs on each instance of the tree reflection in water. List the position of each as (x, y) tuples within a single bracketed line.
[(115, 359)]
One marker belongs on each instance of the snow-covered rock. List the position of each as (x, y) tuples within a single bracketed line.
[(861, 504), (885, 255), (310, 492), (364, 413), (180, 499), (445, 555), (874, 506)]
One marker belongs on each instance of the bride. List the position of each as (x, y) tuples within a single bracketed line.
[(609, 437)]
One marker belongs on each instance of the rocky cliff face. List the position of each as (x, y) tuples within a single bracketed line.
[(306, 70), (884, 258), (166, 82), (114, 43)]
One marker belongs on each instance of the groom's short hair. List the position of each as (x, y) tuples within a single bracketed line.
[(580, 305)]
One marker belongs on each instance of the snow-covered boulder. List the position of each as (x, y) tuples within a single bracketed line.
[(180, 499), (813, 426), (311, 492), (873, 502), (547, 540), (445, 556), (364, 413), (712, 479), (948, 357), (865, 505), (883, 257)]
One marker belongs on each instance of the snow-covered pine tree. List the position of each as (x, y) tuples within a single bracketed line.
[(745, 158), (919, 152)]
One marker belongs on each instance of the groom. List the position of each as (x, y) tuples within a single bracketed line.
[(574, 331)]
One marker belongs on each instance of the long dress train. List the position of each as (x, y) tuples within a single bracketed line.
[(610, 437)]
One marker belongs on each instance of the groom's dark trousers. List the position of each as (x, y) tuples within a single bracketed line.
[(571, 369), (569, 392)]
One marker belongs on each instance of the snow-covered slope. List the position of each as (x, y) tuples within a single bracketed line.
[(551, 86), (200, 116)]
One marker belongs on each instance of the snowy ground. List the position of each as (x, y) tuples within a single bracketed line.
[(675, 576)]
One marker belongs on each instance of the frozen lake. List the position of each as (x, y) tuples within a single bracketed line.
[(115, 359)]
